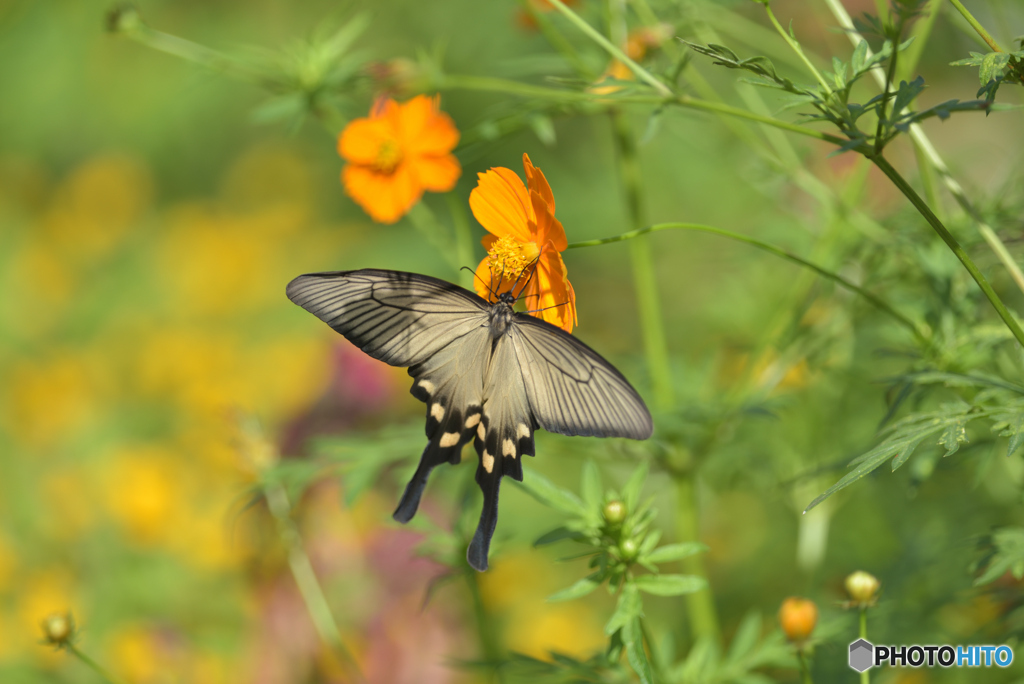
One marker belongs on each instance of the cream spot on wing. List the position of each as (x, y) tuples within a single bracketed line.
[(481, 432), (473, 420), (508, 447), (488, 461), (427, 385), (449, 439), (437, 411), (522, 431)]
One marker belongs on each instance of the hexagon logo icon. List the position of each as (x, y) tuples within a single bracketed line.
[(861, 655)]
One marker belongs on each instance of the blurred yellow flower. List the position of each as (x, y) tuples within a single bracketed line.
[(47, 399), (144, 493), (133, 653), (97, 205)]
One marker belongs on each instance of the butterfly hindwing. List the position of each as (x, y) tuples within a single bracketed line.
[(504, 435), (572, 390)]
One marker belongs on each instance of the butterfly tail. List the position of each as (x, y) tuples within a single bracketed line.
[(410, 501), (490, 483)]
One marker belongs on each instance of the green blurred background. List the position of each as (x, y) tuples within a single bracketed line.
[(148, 227)]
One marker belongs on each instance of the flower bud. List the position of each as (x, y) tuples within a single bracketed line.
[(629, 548), (862, 588), (614, 512), (58, 629), (798, 617)]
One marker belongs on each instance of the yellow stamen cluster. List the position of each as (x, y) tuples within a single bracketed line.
[(511, 257), (389, 156)]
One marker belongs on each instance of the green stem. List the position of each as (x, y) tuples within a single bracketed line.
[(305, 577), (611, 48), (92, 664), (865, 677), (700, 605), (805, 672), (884, 105), (501, 85), (976, 25), (883, 306), (652, 327), (556, 39), (489, 644), (797, 49), (424, 221), (463, 239), (951, 242)]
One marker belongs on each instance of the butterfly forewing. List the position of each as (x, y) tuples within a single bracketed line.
[(572, 390), (400, 318)]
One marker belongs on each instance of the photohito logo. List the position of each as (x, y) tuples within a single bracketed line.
[(865, 655)]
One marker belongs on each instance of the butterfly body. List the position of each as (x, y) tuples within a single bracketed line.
[(486, 373)]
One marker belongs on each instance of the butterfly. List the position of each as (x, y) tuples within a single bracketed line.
[(487, 373)]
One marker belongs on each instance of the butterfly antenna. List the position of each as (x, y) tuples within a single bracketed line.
[(533, 272), (484, 282), (553, 306), (518, 277)]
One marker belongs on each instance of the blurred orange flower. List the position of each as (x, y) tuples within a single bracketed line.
[(396, 153), (526, 239)]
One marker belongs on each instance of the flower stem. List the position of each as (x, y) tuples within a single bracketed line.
[(92, 664), (611, 48), (976, 25), (653, 329), (916, 329), (865, 677), (700, 605), (805, 672), (489, 644), (463, 239), (797, 49), (305, 577), (952, 243)]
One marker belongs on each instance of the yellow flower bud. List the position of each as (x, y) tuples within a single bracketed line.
[(798, 616), (862, 588), (58, 629), (614, 512)]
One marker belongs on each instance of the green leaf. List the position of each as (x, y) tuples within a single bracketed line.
[(745, 639), (631, 490), (858, 62), (590, 486), (557, 535), (993, 66), (550, 494), (904, 437), (633, 638), (1007, 554), (670, 585), (952, 437), (672, 552), (578, 590), (628, 608)]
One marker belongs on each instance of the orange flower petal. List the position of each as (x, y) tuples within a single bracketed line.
[(549, 229), (385, 197), (361, 140), (536, 180), (501, 204), (437, 174), (557, 298), (426, 129)]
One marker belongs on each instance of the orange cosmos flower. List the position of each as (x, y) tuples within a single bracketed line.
[(396, 153), (524, 243)]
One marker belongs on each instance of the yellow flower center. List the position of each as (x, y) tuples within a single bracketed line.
[(510, 257), (389, 156)]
